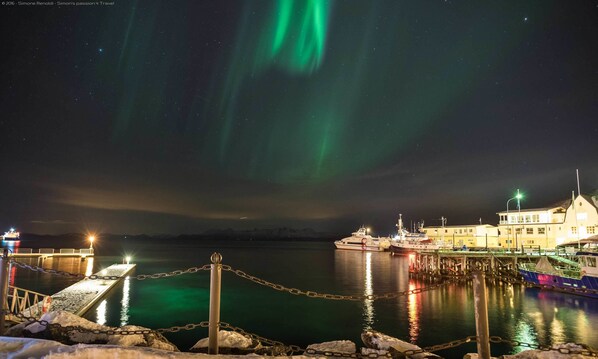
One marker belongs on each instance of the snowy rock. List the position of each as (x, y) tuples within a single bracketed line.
[(380, 341), (368, 351), (229, 343), (337, 346), (64, 319)]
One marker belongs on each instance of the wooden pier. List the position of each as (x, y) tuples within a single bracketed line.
[(443, 264)]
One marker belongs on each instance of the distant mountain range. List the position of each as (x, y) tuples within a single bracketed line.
[(282, 233)]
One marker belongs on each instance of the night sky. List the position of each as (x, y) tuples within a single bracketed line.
[(182, 116)]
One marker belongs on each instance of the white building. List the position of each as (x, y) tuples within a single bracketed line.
[(471, 235), (549, 226), (546, 227)]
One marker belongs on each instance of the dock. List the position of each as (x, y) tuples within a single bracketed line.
[(438, 264), (51, 252), (81, 296)]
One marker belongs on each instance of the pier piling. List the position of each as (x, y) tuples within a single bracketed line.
[(481, 314), (215, 281), (4, 290)]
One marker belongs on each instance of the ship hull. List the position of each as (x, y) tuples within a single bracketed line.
[(560, 282), (397, 249), (359, 247)]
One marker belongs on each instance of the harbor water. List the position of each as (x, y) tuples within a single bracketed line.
[(428, 318)]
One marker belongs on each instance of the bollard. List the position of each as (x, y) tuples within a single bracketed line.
[(481, 314), (214, 325), (4, 290)]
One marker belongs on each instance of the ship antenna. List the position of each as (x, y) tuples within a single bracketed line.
[(578, 188)]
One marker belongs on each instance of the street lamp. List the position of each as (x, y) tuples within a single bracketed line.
[(91, 239), (518, 197)]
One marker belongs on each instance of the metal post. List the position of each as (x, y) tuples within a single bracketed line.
[(4, 290), (214, 325), (481, 314)]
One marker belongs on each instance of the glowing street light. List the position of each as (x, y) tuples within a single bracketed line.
[(128, 259), (518, 197), (91, 239)]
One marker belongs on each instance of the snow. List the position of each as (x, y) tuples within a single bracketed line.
[(226, 339), (338, 346)]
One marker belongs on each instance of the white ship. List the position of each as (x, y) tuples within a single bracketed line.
[(405, 242), (11, 235), (362, 241)]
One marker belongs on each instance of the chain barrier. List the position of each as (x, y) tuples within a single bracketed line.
[(511, 277), (313, 294), (292, 349), (177, 272)]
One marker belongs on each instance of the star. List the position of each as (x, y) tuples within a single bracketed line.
[(100, 50), (525, 19)]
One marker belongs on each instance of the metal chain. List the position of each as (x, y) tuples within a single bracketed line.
[(291, 349), (312, 294), (178, 272), (508, 276), (71, 328), (587, 351)]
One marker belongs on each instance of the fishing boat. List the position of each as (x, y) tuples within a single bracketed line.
[(11, 235), (362, 241), (577, 274), (409, 242)]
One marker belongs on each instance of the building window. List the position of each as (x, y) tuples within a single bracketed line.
[(529, 231), (574, 230), (470, 230), (536, 218), (542, 230), (591, 229), (518, 230)]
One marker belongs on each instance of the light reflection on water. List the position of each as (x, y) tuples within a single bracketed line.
[(414, 309), (124, 309), (368, 304), (101, 312)]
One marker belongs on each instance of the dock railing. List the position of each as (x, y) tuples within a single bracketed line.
[(25, 301), (475, 274)]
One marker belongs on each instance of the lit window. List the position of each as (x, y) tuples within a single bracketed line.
[(591, 229), (574, 230)]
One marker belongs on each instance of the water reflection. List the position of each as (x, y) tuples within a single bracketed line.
[(89, 267), (368, 304), (370, 273), (124, 308), (101, 312), (412, 303)]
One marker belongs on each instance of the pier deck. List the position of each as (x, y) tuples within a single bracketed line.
[(51, 252), (81, 296)]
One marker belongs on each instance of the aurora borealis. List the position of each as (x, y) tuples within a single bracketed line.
[(151, 117)]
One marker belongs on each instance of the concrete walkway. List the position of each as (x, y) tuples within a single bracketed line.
[(81, 296)]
